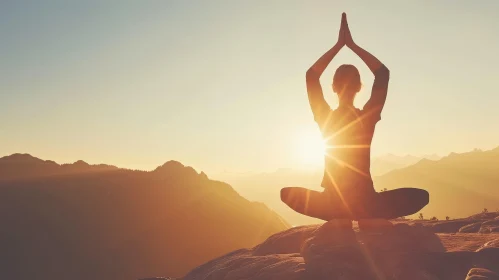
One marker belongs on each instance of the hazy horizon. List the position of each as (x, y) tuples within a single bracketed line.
[(220, 86), (303, 168)]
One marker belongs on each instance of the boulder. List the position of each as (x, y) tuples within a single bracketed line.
[(286, 242), (488, 255), (450, 226), (485, 216), (489, 226), (242, 264), (471, 228), (481, 274)]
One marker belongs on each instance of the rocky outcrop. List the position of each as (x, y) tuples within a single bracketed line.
[(481, 274), (448, 226), (471, 228), (489, 226), (331, 251), (482, 223), (487, 222)]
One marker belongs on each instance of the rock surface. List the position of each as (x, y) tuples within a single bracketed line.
[(481, 274), (486, 222), (405, 251)]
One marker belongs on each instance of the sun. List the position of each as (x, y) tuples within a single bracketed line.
[(310, 147)]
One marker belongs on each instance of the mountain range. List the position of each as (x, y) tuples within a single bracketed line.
[(386, 163), (23, 166), (459, 184), (80, 221)]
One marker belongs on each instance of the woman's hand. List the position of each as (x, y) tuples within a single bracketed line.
[(314, 72), (341, 36), (346, 33)]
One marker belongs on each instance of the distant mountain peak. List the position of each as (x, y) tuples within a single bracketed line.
[(81, 163), (18, 157), (173, 167), (424, 161), (153, 212), (171, 164), (18, 166)]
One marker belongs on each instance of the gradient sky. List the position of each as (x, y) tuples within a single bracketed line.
[(220, 85)]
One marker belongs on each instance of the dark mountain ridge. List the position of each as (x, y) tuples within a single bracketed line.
[(119, 223), (22, 166)]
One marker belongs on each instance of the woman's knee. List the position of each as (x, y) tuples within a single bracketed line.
[(285, 194), (424, 197)]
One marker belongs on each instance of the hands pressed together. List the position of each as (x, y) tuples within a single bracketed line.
[(344, 39), (344, 36)]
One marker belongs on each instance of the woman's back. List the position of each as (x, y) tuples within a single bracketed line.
[(348, 135)]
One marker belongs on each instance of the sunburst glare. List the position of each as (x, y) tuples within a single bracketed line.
[(310, 148)]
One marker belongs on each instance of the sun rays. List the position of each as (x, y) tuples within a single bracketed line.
[(349, 166), (339, 151), (310, 148)]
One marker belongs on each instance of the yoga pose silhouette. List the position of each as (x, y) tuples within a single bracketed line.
[(348, 131)]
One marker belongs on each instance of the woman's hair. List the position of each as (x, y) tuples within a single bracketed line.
[(346, 80)]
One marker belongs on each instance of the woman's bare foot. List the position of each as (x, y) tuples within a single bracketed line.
[(374, 225)]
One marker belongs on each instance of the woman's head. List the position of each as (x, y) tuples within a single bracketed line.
[(346, 82)]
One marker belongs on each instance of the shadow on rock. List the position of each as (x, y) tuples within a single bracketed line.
[(346, 254)]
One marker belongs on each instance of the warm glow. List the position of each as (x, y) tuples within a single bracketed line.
[(310, 148)]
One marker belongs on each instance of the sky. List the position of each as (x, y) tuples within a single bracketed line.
[(220, 85)]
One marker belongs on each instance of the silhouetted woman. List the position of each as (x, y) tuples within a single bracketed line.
[(348, 131)]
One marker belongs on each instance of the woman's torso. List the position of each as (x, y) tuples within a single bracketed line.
[(348, 134)]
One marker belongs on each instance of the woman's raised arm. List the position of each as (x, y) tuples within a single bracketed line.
[(370, 60), (381, 73), (315, 95)]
